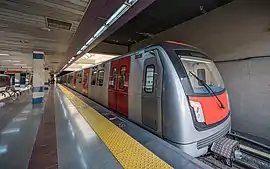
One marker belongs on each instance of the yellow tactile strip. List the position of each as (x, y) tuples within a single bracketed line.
[(126, 150)]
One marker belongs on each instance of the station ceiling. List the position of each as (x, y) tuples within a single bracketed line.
[(159, 16), (42, 25), (60, 28)]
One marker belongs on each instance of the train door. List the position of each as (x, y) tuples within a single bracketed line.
[(79, 81), (85, 81), (112, 93), (122, 87), (150, 90), (74, 80)]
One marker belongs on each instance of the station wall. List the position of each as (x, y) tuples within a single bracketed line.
[(248, 83), (238, 30)]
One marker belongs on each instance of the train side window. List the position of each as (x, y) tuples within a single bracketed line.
[(201, 75), (93, 77), (122, 78), (149, 79), (100, 77)]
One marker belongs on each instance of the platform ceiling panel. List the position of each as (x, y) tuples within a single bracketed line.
[(43, 25), (159, 16)]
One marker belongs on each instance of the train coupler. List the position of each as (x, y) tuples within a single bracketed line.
[(225, 149)]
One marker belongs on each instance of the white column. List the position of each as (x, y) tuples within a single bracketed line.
[(17, 79), (38, 77)]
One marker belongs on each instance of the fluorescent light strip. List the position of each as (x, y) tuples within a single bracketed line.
[(130, 2), (117, 14), (4, 54), (84, 47), (19, 64), (122, 10), (90, 41), (14, 61), (100, 31)]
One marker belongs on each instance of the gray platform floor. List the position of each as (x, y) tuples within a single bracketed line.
[(78, 145), (20, 121)]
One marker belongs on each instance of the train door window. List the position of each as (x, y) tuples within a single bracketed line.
[(79, 77), (122, 78), (114, 76), (201, 75), (94, 77), (149, 79), (70, 78), (100, 77), (85, 80)]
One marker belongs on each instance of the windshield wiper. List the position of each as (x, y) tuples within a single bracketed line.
[(221, 105)]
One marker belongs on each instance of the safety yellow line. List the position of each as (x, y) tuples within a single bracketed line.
[(130, 153)]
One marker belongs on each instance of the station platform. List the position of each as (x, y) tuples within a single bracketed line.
[(71, 131)]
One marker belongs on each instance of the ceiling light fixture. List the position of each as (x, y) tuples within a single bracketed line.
[(27, 67), (19, 64), (73, 58), (4, 54), (114, 17), (15, 61), (87, 55)]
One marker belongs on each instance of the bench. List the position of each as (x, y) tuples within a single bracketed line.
[(10, 90)]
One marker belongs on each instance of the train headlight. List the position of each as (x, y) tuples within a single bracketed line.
[(197, 107)]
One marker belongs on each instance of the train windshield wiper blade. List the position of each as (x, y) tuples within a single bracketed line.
[(221, 105)]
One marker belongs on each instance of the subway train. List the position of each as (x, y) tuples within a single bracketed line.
[(171, 89)]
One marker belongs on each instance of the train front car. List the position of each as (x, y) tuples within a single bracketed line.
[(195, 103)]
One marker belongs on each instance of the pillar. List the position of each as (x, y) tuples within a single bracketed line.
[(46, 83), (38, 77), (17, 79)]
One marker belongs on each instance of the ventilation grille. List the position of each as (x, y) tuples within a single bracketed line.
[(209, 140), (53, 23)]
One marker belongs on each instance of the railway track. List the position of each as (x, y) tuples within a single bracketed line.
[(251, 154)]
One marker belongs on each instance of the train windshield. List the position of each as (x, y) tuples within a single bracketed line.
[(206, 71)]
